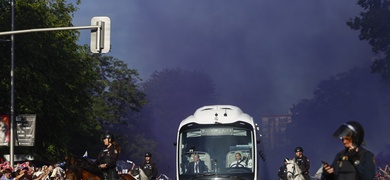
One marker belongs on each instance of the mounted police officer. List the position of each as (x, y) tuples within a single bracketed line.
[(303, 162), (149, 167), (353, 162), (107, 158)]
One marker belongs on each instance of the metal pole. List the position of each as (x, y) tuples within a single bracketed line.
[(12, 116), (49, 29)]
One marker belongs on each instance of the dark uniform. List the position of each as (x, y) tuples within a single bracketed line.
[(149, 167), (109, 156), (303, 163), (282, 173), (347, 168), (349, 164)]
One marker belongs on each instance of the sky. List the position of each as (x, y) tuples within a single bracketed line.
[(263, 55), (277, 49)]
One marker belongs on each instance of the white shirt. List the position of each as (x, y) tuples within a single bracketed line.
[(239, 163), (196, 167)]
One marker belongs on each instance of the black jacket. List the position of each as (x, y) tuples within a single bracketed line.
[(202, 167), (303, 163), (150, 169), (109, 156), (282, 173), (347, 168)]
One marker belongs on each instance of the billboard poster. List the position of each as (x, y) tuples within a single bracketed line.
[(4, 130), (25, 130)]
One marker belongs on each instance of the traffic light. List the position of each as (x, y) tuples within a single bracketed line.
[(100, 37)]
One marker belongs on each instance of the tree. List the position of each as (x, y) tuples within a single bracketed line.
[(118, 93), (72, 91), (52, 78), (172, 94), (116, 104), (354, 95), (374, 26)]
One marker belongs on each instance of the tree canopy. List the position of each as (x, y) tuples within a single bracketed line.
[(354, 95), (172, 94), (51, 78), (73, 92), (374, 25)]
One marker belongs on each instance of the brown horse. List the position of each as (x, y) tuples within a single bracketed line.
[(126, 177), (85, 175), (73, 173), (80, 174), (84, 169), (80, 168)]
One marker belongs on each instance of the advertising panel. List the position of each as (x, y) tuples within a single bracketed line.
[(4, 130), (25, 130)]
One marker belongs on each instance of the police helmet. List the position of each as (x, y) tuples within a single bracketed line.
[(108, 136), (298, 149), (352, 129), (148, 154)]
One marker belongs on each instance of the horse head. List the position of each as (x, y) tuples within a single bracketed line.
[(73, 172), (81, 168), (293, 171)]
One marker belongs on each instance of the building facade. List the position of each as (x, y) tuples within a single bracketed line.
[(273, 130)]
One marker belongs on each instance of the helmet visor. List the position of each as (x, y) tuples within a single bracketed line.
[(344, 130), (107, 136)]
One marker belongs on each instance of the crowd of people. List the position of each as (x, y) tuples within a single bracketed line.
[(27, 171), (106, 162), (351, 163)]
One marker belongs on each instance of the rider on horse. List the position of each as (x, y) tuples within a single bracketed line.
[(303, 162), (108, 157)]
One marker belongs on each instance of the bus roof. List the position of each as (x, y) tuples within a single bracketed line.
[(215, 114)]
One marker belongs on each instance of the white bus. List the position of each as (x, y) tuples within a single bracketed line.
[(216, 134)]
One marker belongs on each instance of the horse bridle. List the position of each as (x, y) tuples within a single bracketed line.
[(292, 173)]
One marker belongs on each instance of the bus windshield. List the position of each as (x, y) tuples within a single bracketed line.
[(222, 149)]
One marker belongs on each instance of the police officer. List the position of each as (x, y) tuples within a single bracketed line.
[(353, 162), (303, 162), (282, 173), (107, 158), (149, 167)]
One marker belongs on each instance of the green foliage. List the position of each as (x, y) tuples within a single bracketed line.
[(135, 147), (76, 94), (354, 95), (374, 26), (116, 102), (118, 93), (54, 78)]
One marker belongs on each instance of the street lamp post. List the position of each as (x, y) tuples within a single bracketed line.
[(12, 115)]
